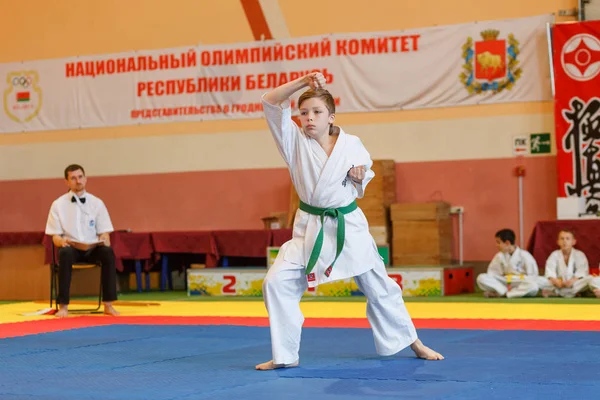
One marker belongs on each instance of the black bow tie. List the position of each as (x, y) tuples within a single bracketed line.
[(74, 200)]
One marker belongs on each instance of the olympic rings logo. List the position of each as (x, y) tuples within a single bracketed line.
[(23, 81)]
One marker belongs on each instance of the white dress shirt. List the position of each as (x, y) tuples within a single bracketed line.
[(77, 221)]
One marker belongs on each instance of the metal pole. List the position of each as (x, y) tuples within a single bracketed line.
[(460, 238), (550, 58), (521, 211)]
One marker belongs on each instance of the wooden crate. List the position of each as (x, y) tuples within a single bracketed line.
[(367, 203), (420, 211), (423, 237), (382, 188), (376, 215), (381, 234), (380, 193), (294, 204)]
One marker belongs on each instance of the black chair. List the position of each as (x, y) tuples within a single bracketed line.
[(54, 282)]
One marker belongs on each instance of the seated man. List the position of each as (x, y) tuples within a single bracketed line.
[(80, 226), (512, 272), (567, 270)]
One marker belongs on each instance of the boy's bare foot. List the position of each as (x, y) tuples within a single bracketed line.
[(424, 352), (63, 311), (269, 365), (549, 293), (489, 293), (110, 310), (597, 292)]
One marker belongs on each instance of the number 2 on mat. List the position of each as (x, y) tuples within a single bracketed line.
[(229, 288)]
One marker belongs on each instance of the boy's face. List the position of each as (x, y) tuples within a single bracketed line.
[(315, 117), (566, 241), (503, 246)]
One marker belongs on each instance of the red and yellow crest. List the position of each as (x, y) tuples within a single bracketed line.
[(490, 56), (491, 63)]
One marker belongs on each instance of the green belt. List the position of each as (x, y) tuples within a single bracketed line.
[(337, 213)]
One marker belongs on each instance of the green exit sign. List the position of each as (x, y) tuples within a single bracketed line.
[(539, 143)]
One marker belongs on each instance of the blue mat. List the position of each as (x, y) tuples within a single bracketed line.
[(216, 362)]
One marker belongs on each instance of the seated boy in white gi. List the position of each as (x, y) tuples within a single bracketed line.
[(595, 285), (512, 272), (567, 270)]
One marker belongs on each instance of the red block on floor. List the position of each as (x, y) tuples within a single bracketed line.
[(458, 280)]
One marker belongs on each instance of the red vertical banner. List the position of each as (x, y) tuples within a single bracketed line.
[(576, 56)]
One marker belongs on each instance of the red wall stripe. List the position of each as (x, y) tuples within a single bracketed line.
[(256, 19)]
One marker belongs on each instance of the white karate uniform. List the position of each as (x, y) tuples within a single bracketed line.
[(321, 181), (77, 221), (577, 267), (594, 282), (513, 275)]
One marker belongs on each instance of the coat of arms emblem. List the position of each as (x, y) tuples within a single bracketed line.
[(490, 64)]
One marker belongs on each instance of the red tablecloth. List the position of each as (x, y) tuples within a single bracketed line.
[(545, 234), (280, 236), (200, 242), (21, 238), (142, 246), (132, 246), (219, 244), (247, 243)]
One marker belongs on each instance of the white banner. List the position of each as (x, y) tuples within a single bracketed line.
[(475, 63)]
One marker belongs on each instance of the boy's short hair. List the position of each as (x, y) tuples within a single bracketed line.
[(567, 231), (506, 235)]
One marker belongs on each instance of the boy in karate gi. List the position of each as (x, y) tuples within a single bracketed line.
[(567, 270), (513, 272), (595, 285), (331, 240)]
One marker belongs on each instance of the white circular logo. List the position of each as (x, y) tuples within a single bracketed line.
[(580, 57)]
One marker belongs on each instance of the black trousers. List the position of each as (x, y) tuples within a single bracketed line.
[(104, 255)]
